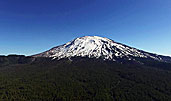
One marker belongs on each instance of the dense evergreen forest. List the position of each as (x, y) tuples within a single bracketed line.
[(27, 78)]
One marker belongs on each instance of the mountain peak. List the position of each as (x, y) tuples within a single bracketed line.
[(97, 47), (93, 38)]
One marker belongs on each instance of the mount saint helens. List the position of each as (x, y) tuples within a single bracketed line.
[(87, 68), (99, 47)]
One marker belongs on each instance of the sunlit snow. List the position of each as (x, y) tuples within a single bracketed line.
[(95, 47)]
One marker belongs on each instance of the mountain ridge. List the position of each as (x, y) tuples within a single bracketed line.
[(99, 47)]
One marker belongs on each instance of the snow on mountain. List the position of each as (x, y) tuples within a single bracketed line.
[(97, 47)]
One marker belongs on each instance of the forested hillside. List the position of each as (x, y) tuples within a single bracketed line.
[(84, 79)]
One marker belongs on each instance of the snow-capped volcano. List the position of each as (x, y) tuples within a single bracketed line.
[(97, 47)]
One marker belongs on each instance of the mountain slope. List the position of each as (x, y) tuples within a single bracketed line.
[(87, 77), (83, 79), (99, 47)]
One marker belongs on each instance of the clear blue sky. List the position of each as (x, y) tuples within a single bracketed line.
[(32, 26)]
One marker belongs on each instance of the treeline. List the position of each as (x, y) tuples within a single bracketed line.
[(14, 59)]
